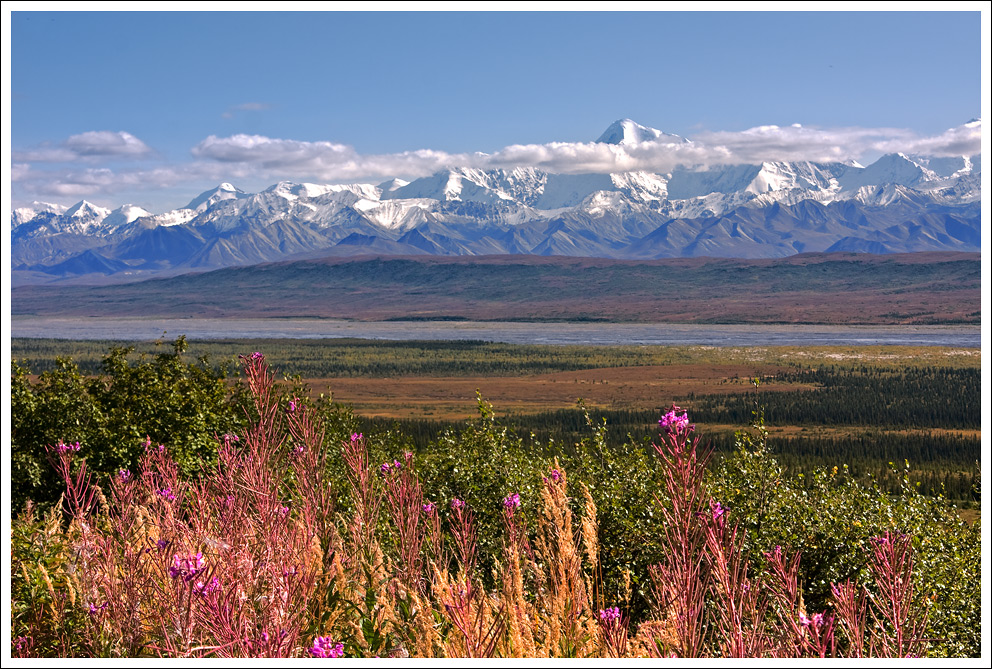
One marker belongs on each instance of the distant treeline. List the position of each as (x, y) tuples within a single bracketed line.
[(371, 358), (321, 358), (926, 397), (906, 414)]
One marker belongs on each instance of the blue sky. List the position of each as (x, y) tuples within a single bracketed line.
[(151, 108)]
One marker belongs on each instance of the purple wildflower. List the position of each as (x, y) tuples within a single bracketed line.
[(257, 356), (292, 406), (512, 501), (457, 504), (206, 589), (94, 609), (816, 621), (166, 493), (162, 544), (609, 615), (124, 475), (323, 646), (672, 422), (187, 567), (355, 436), (428, 508), (387, 467), (63, 447)]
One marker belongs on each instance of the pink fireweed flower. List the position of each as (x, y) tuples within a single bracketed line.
[(323, 646), (63, 447), (147, 443), (257, 356), (428, 508), (672, 422), (292, 406), (124, 475), (457, 504), (512, 501), (355, 436), (387, 467), (187, 567), (94, 609), (206, 589), (609, 615), (816, 621), (166, 493)]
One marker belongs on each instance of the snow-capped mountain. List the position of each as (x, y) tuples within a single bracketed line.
[(626, 132), (208, 199), (25, 214), (898, 203)]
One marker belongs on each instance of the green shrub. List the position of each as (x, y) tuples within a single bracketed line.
[(164, 398)]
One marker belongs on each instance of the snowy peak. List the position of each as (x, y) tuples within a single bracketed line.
[(294, 191), (83, 217), (123, 215), (84, 211), (892, 168), (626, 132), (775, 177), (25, 214), (209, 198), (392, 185)]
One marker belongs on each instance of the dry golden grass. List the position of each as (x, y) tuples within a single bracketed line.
[(454, 398)]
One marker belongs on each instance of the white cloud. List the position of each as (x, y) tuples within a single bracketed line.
[(70, 184), (107, 143), (91, 145), (329, 161), (965, 140), (272, 153)]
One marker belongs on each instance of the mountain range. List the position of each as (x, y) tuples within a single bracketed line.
[(897, 204)]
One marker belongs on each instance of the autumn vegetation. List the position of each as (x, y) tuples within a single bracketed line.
[(260, 522)]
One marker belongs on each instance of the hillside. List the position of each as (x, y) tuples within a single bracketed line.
[(838, 288)]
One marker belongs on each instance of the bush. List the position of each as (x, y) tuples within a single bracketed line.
[(165, 399)]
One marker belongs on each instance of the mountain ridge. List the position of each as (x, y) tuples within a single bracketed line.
[(838, 288), (899, 203)]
